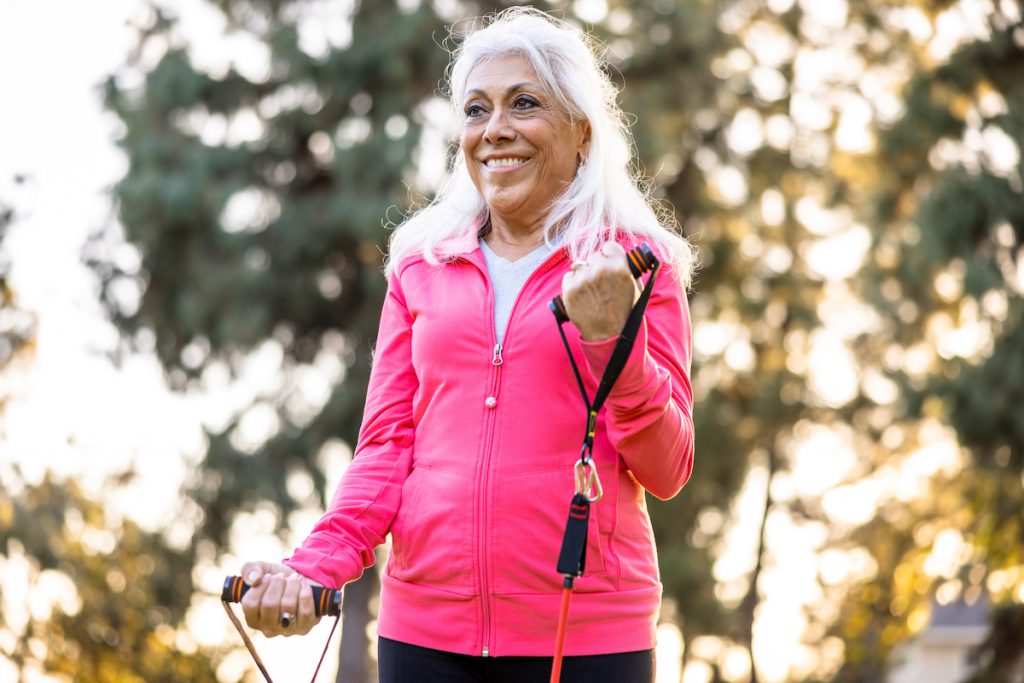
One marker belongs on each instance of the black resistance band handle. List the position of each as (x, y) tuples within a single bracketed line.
[(641, 259), (325, 600)]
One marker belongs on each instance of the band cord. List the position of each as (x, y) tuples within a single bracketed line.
[(252, 648)]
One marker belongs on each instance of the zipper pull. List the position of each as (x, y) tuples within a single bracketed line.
[(486, 652), (496, 359)]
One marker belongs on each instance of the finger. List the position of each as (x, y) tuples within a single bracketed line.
[(270, 605), (290, 603), (306, 613), (251, 604), (615, 257), (572, 283)]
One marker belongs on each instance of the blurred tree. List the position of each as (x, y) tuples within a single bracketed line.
[(17, 326), (104, 598), (254, 204), (945, 275), (781, 131), (719, 94)]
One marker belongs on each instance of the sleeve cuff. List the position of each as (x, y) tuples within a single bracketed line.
[(330, 570)]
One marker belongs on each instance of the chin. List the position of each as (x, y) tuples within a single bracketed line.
[(508, 205)]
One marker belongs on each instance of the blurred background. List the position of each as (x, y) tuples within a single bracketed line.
[(194, 196)]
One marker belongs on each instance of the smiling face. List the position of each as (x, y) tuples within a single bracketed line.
[(520, 147)]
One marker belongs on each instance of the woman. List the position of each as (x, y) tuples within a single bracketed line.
[(473, 417)]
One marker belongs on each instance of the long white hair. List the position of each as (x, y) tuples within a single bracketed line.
[(603, 200)]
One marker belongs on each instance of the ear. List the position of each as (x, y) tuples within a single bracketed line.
[(583, 139)]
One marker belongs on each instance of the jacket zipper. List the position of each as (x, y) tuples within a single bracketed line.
[(484, 489), (497, 360), (483, 509)]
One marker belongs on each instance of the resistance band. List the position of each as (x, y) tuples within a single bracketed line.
[(325, 601), (573, 554)]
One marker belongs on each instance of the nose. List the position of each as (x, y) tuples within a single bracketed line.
[(498, 127)]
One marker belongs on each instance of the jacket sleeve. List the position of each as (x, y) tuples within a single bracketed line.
[(342, 543), (649, 412)]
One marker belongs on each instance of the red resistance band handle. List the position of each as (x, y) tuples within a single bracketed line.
[(325, 600), (641, 259)]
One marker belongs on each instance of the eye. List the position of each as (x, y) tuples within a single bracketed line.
[(525, 102), (473, 109)]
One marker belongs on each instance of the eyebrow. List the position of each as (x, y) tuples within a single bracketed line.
[(508, 91)]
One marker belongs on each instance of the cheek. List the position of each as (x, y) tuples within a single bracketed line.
[(469, 137), (467, 144), (562, 166)]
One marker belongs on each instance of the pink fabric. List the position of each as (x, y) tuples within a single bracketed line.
[(468, 465)]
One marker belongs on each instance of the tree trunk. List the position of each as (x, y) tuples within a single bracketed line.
[(750, 602), (355, 665)]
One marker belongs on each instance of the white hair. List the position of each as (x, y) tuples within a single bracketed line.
[(603, 200)]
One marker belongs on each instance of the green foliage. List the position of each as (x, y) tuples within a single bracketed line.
[(272, 239), (128, 590), (946, 260), (303, 270)]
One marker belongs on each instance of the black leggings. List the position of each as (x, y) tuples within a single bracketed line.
[(403, 663)]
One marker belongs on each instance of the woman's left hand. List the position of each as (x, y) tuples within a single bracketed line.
[(599, 293)]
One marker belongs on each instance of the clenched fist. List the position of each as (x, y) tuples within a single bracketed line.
[(599, 293)]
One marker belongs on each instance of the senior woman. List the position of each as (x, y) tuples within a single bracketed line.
[(473, 414)]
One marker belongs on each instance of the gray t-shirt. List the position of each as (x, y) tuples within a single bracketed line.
[(507, 278)]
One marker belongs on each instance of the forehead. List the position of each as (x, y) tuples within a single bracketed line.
[(497, 74)]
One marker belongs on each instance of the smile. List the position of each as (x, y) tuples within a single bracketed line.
[(509, 162)]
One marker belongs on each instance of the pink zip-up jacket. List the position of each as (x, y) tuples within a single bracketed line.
[(466, 458)]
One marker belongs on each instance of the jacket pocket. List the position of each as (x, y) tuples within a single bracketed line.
[(529, 519), (432, 532)]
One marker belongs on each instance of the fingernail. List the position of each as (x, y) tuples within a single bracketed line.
[(253, 575)]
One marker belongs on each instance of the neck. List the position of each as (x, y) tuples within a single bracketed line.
[(511, 241)]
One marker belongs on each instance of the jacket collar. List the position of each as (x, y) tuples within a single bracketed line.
[(467, 246)]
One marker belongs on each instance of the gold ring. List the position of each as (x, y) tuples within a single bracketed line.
[(576, 265)]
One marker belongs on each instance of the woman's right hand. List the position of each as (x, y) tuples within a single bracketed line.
[(276, 590)]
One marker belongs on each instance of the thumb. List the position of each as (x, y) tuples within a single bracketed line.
[(253, 572)]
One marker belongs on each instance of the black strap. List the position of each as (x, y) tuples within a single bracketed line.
[(619, 357), (573, 554), (572, 558), (624, 346)]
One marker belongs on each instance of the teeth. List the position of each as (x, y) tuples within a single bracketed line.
[(503, 163)]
